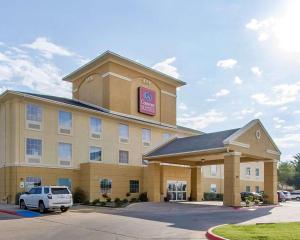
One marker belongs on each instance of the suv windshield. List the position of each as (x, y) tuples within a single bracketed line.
[(59, 191)]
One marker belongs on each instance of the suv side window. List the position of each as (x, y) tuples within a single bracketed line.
[(32, 191), (38, 190), (46, 190)]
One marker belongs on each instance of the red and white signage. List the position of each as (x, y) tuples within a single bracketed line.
[(147, 101)]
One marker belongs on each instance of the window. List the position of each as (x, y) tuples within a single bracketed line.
[(248, 171), (38, 190), (31, 182), (65, 182), (46, 190), (123, 156), (95, 154), (213, 170), (167, 136), (257, 189), (213, 188), (33, 116), (65, 154), (257, 172), (134, 186), (123, 133), (248, 189), (61, 190), (33, 150), (95, 127), (105, 185), (146, 137), (65, 122)]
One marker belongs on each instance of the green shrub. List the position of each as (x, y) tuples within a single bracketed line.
[(96, 201), (79, 195), (18, 195), (132, 200), (108, 199), (87, 202), (211, 196), (125, 200), (117, 200), (143, 197), (102, 204)]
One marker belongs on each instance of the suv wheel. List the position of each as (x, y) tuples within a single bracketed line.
[(23, 205), (42, 207), (298, 198), (64, 209)]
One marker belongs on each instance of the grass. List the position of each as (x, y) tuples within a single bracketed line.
[(277, 231)]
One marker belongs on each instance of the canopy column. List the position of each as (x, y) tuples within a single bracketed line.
[(196, 183), (270, 181), (232, 179), (153, 181)]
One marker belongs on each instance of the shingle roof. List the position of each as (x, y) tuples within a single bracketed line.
[(193, 143)]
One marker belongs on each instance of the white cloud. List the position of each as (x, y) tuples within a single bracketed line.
[(203, 120), (296, 112), (263, 37), (237, 80), (247, 111), (182, 106), (20, 70), (288, 140), (48, 49), (222, 92), (256, 25), (227, 63), (258, 114), (281, 95), (210, 100), (256, 71), (291, 128), (166, 67), (278, 122)]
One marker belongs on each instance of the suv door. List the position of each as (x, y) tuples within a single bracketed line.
[(29, 197), (37, 196)]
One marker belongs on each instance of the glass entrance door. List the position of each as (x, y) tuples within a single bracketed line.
[(176, 190)]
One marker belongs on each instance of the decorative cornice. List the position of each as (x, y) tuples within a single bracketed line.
[(116, 75), (273, 152), (239, 144), (168, 93)]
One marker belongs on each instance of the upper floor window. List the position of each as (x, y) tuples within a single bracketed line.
[(33, 150), (95, 127), (34, 116), (65, 182), (213, 170), (146, 137), (65, 122), (257, 172), (167, 136), (65, 154), (95, 154), (124, 133), (248, 171), (123, 156)]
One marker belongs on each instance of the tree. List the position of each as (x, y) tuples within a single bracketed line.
[(286, 173), (296, 163)]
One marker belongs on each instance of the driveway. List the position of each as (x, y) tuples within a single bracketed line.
[(140, 221)]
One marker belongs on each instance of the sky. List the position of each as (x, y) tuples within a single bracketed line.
[(240, 59)]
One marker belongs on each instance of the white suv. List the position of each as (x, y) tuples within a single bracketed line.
[(47, 197), (296, 195)]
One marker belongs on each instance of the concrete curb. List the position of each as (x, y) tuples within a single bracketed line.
[(9, 212), (210, 235)]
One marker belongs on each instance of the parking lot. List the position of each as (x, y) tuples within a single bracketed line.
[(140, 221)]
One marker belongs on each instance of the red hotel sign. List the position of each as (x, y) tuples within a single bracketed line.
[(147, 101)]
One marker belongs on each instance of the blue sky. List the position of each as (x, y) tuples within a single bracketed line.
[(240, 59)]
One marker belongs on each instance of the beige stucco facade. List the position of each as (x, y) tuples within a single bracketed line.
[(109, 85)]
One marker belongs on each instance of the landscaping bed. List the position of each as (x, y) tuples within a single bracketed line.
[(273, 231)]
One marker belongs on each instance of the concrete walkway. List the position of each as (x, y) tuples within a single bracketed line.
[(141, 221)]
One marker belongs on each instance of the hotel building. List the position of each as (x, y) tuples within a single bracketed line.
[(118, 135)]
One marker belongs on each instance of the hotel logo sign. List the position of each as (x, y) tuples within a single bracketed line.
[(147, 101)]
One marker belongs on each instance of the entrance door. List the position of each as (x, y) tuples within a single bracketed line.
[(176, 190)]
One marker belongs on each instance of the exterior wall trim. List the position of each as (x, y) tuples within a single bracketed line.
[(40, 165), (168, 93), (240, 144), (116, 75), (273, 152), (221, 149)]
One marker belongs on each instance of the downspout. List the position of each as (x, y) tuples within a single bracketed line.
[(5, 153)]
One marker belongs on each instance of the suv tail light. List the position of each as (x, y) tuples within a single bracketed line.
[(49, 196)]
